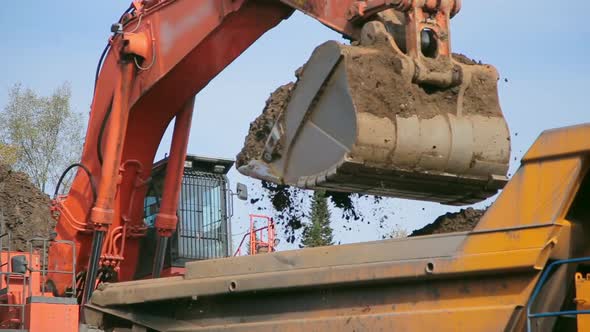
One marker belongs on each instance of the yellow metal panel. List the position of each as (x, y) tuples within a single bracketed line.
[(483, 319), (509, 239), (537, 194), (559, 142), (583, 301)]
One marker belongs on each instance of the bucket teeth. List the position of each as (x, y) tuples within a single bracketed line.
[(370, 119)]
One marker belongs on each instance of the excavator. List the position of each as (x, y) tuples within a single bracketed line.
[(394, 113)]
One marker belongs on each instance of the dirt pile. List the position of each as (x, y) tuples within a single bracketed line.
[(378, 87), (24, 209), (462, 221)]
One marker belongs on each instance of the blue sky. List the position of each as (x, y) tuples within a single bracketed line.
[(541, 47)]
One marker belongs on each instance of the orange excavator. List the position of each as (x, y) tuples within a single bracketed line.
[(394, 113)]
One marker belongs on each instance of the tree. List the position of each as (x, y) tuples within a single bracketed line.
[(318, 233), (45, 133)]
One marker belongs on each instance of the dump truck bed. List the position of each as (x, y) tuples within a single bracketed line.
[(417, 284), (481, 280)]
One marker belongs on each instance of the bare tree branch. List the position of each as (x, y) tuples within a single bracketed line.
[(45, 131)]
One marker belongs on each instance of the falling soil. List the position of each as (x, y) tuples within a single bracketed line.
[(378, 86), (24, 209), (289, 207), (462, 221), (288, 204)]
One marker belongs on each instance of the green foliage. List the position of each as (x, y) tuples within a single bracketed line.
[(318, 233), (46, 133)]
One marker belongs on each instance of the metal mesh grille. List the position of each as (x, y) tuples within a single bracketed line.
[(202, 231), (202, 226)]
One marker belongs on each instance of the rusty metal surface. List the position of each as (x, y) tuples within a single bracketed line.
[(413, 306), (361, 318), (413, 258), (324, 257), (491, 282)]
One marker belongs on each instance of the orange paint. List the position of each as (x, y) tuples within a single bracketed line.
[(45, 317)]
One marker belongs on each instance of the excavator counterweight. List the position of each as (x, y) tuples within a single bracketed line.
[(369, 118)]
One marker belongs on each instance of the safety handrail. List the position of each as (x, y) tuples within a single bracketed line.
[(539, 286), (245, 236), (6, 276), (44, 270)]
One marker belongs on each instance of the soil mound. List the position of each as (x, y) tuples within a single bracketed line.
[(24, 209), (462, 221)]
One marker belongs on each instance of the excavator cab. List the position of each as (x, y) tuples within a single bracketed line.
[(203, 215)]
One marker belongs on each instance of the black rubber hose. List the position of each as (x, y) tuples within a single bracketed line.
[(106, 49), (108, 114), (102, 55), (127, 11), (103, 125), (63, 175)]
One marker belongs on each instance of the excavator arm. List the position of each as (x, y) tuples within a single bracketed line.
[(162, 53)]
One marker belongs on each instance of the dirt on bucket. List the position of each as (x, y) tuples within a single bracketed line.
[(377, 86), (24, 209), (287, 200), (260, 128)]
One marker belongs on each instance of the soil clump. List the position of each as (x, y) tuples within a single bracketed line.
[(379, 87)]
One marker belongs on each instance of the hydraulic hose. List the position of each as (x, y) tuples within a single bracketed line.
[(98, 67), (90, 177), (106, 48), (103, 125)]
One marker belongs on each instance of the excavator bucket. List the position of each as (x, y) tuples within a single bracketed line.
[(368, 118)]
